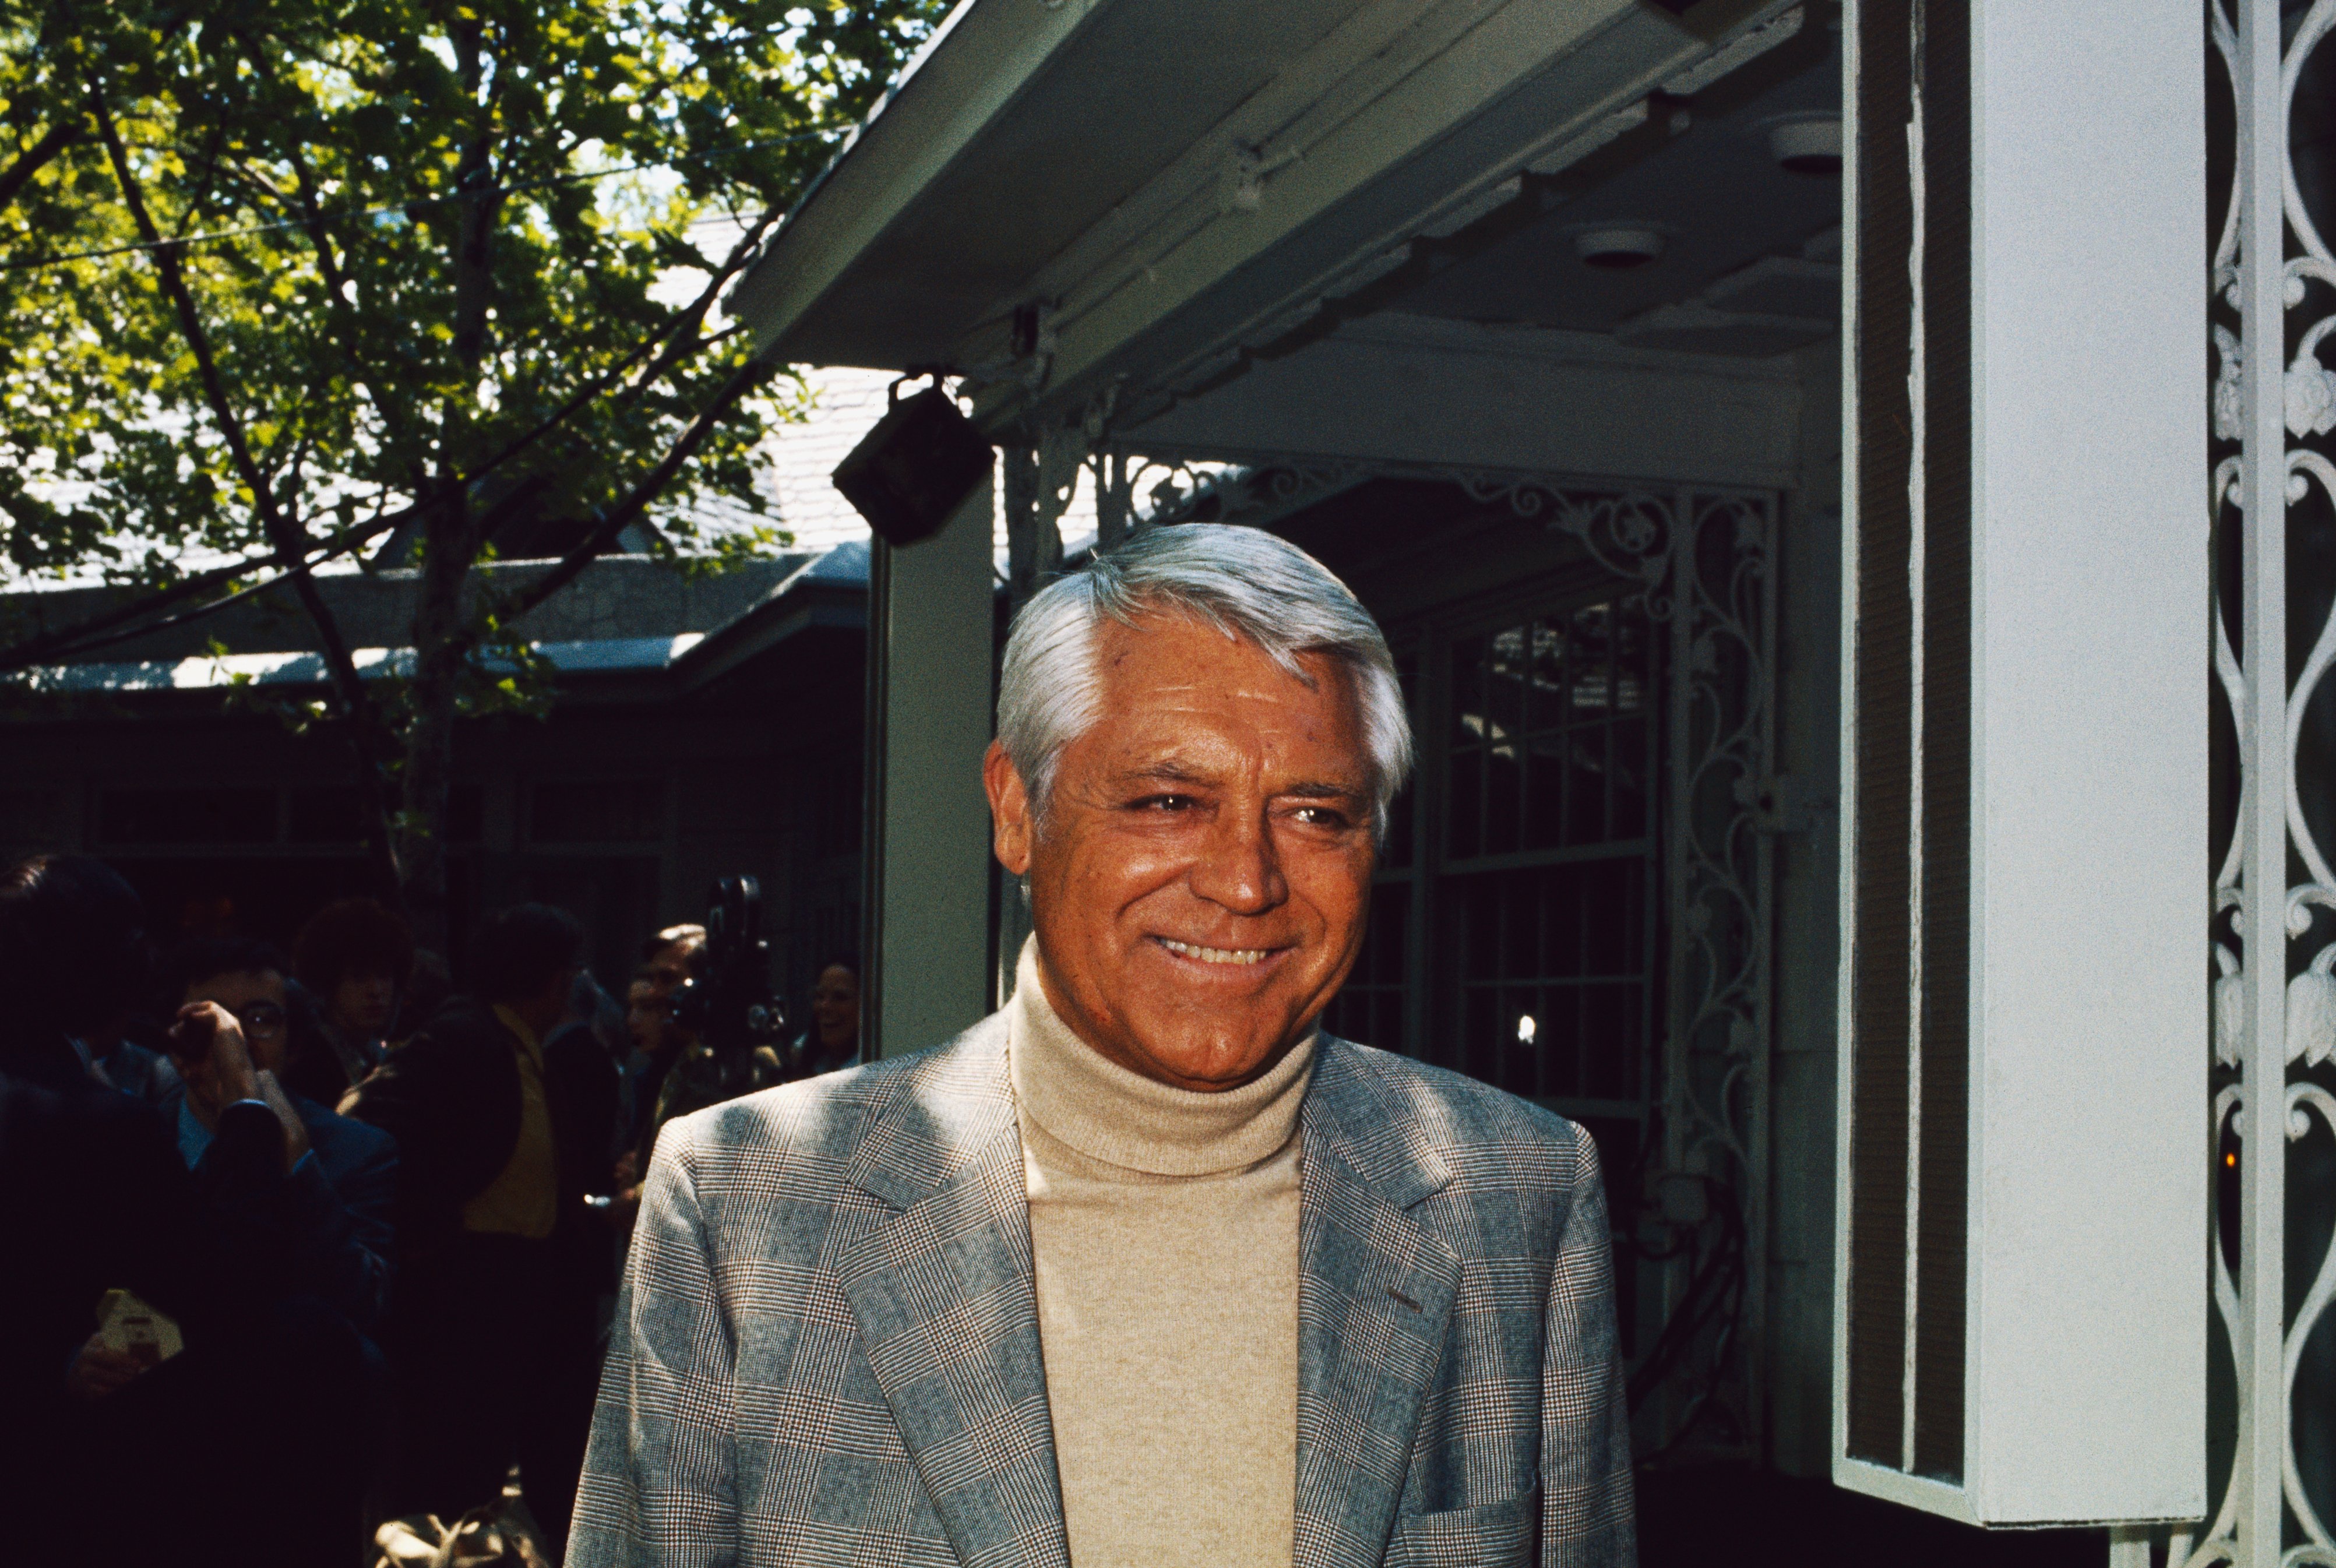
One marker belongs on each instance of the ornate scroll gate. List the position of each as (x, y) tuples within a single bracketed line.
[(2272, 303), (1704, 560)]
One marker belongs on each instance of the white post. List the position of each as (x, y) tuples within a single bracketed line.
[(2130, 1546), (2262, 821), (931, 608)]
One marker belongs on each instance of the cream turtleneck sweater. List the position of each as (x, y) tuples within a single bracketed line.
[(1165, 1223)]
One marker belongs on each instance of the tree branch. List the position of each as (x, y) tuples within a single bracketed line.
[(68, 640), (92, 633), (36, 157), (686, 323), (621, 515), (289, 539)]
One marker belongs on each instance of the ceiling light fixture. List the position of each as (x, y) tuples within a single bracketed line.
[(1617, 246), (1810, 146)]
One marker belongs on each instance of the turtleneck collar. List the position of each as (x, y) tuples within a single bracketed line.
[(1102, 1110)]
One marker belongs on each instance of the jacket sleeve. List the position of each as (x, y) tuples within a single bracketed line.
[(1587, 1515), (347, 1216), (659, 1483), (328, 1243)]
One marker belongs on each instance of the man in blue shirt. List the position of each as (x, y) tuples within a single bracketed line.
[(333, 1210)]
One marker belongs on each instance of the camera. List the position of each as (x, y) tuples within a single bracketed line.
[(729, 1005)]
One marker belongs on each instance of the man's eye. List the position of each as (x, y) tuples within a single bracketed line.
[(1166, 803), (1322, 817)]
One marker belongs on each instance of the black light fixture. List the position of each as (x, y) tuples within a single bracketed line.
[(915, 467)]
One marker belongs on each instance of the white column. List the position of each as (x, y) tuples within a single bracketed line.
[(2259, 1344), (926, 889)]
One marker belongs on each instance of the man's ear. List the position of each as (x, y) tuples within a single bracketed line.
[(1010, 810)]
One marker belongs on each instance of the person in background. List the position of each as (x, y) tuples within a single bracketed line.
[(254, 1432), (500, 1141), (833, 1041), (659, 1042), (334, 1207), (427, 986), (673, 957), (353, 955)]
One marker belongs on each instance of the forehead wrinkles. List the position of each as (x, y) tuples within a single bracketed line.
[(1165, 654), (1195, 726)]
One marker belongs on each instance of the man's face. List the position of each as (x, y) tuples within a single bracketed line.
[(835, 1006), (256, 997), (668, 967), (645, 1013), (362, 1004), (1199, 882)]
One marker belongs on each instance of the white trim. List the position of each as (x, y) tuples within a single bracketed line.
[(981, 60), (1932, 1496), (2261, 1353), (1846, 963)]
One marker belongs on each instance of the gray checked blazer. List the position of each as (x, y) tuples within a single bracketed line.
[(826, 1350)]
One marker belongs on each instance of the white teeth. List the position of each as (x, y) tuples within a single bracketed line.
[(1215, 955)]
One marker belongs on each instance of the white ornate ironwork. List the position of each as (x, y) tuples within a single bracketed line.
[(2273, 286), (1164, 488)]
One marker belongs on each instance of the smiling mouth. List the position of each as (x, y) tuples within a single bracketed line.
[(1200, 954)]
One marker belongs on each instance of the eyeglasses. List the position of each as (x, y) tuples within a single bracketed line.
[(259, 1018)]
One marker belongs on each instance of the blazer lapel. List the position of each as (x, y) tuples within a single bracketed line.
[(944, 1294), (1375, 1291)]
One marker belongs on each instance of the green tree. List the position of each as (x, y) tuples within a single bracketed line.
[(285, 280)]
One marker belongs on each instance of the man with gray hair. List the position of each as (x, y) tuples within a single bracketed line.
[(1144, 1269)]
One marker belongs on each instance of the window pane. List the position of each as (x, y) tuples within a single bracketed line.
[(1589, 672), (1628, 756), (187, 816), (1585, 791), (1465, 808), (1504, 684), (1558, 946), (1468, 692), (1610, 1048), (1545, 702), (1503, 797)]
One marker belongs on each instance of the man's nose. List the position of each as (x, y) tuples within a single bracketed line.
[(1237, 869)]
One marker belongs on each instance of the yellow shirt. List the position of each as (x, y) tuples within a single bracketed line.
[(523, 1200)]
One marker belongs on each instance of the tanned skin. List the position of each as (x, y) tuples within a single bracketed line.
[(1220, 805)]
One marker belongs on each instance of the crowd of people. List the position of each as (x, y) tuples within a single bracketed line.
[(313, 1242)]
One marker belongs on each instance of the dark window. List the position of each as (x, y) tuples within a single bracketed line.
[(1369, 1006), (187, 816), (335, 815), (30, 817), (626, 810), (1549, 742), (466, 814), (1548, 973), (325, 815), (1513, 938)]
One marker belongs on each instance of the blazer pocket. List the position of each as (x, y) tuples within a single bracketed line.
[(1490, 1535)]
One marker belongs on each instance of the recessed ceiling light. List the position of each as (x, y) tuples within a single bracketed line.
[(1618, 246), (1810, 146)]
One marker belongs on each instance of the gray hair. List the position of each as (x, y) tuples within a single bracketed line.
[(1245, 582)]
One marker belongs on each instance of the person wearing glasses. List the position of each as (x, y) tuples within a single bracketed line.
[(333, 1211)]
